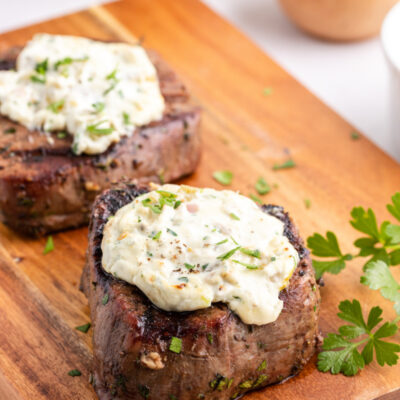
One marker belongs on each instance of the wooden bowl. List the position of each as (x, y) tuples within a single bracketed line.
[(342, 20)]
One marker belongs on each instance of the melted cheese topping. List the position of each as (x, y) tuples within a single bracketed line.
[(96, 91), (186, 248)]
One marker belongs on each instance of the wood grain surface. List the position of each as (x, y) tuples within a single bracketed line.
[(244, 131)]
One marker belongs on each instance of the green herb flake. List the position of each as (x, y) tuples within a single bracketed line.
[(189, 266), (223, 177), (285, 165), (68, 61), (267, 91), (177, 204), (210, 338), (262, 366), (95, 130), (157, 236), (228, 254), (74, 372), (251, 253), (248, 266), (255, 198), (246, 384), (176, 345), (41, 68), (56, 106), (83, 328), (262, 186), (221, 242), (127, 118), (307, 203), (49, 245), (104, 300), (61, 135), (9, 131), (172, 232), (234, 216), (183, 279), (38, 79), (355, 135), (98, 107), (204, 267)]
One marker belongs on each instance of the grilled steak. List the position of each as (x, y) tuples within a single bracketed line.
[(221, 357), (44, 187)]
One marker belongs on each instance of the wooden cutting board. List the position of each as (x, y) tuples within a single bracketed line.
[(244, 131)]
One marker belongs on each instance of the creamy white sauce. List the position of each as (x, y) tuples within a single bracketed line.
[(179, 255), (96, 91)]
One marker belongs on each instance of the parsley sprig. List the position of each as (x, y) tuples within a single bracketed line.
[(342, 351)]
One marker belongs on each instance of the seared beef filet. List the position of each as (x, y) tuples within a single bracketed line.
[(221, 357), (44, 187)]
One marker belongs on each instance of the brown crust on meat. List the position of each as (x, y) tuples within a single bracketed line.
[(129, 325), (44, 187)]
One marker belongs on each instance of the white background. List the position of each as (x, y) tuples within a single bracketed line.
[(351, 78)]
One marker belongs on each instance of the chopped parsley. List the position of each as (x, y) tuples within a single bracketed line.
[(176, 345), (56, 106), (112, 76), (189, 266), (262, 366), (156, 208), (172, 232), (38, 79), (83, 328), (234, 216), (9, 131), (41, 68), (49, 245), (156, 236), (255, 198), (307, 203), (251, 253), (99, 131), (228, 254), (221, 242), (204, 267), (127, 118), (68, 60), (285, 165), (262, 186), (248, 266), (98, 107), (177, 204), (223, 177), (74, 372), (104, 300)]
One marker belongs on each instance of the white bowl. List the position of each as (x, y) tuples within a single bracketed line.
[(390, 36)]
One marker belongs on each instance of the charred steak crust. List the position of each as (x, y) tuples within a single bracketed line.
[(221, 357), (44, 187)]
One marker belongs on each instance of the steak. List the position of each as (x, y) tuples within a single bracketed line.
[(44, 187), (221, 357)]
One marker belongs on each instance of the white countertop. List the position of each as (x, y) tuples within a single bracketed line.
[(350, 78)]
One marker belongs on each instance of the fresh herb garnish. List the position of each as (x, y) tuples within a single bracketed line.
[(189, 266), (262, 186), (251, 253), (98, 107), (157, 236), (9, 131), (341, 352), (156, 208), (112, 76), (74, 372), (83, 328), (172, 232), (234, 216), (228, 254), (68, 60), (255, 198), (49, 245), (221, 242), (223, 177), (94, 129), (62, 135), (204, 267), (177, 204), (183, 279), (307, 203), (175, 345), (285, 165), (355, 135), (248, 266), (38, 79), (127, 118), (267, 91), (56, 106), (262, 366), (41, 68), (104, 300)]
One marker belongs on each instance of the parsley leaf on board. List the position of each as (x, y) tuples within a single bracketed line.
[(378, 277), (394, 208), (262, 186), (223, 177), (327, 247), (342, 354)]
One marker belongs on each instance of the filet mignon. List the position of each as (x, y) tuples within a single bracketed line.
[(221, 357), (44, 187)]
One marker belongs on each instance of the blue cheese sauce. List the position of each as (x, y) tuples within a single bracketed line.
[(96, 91), (186, 248)]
